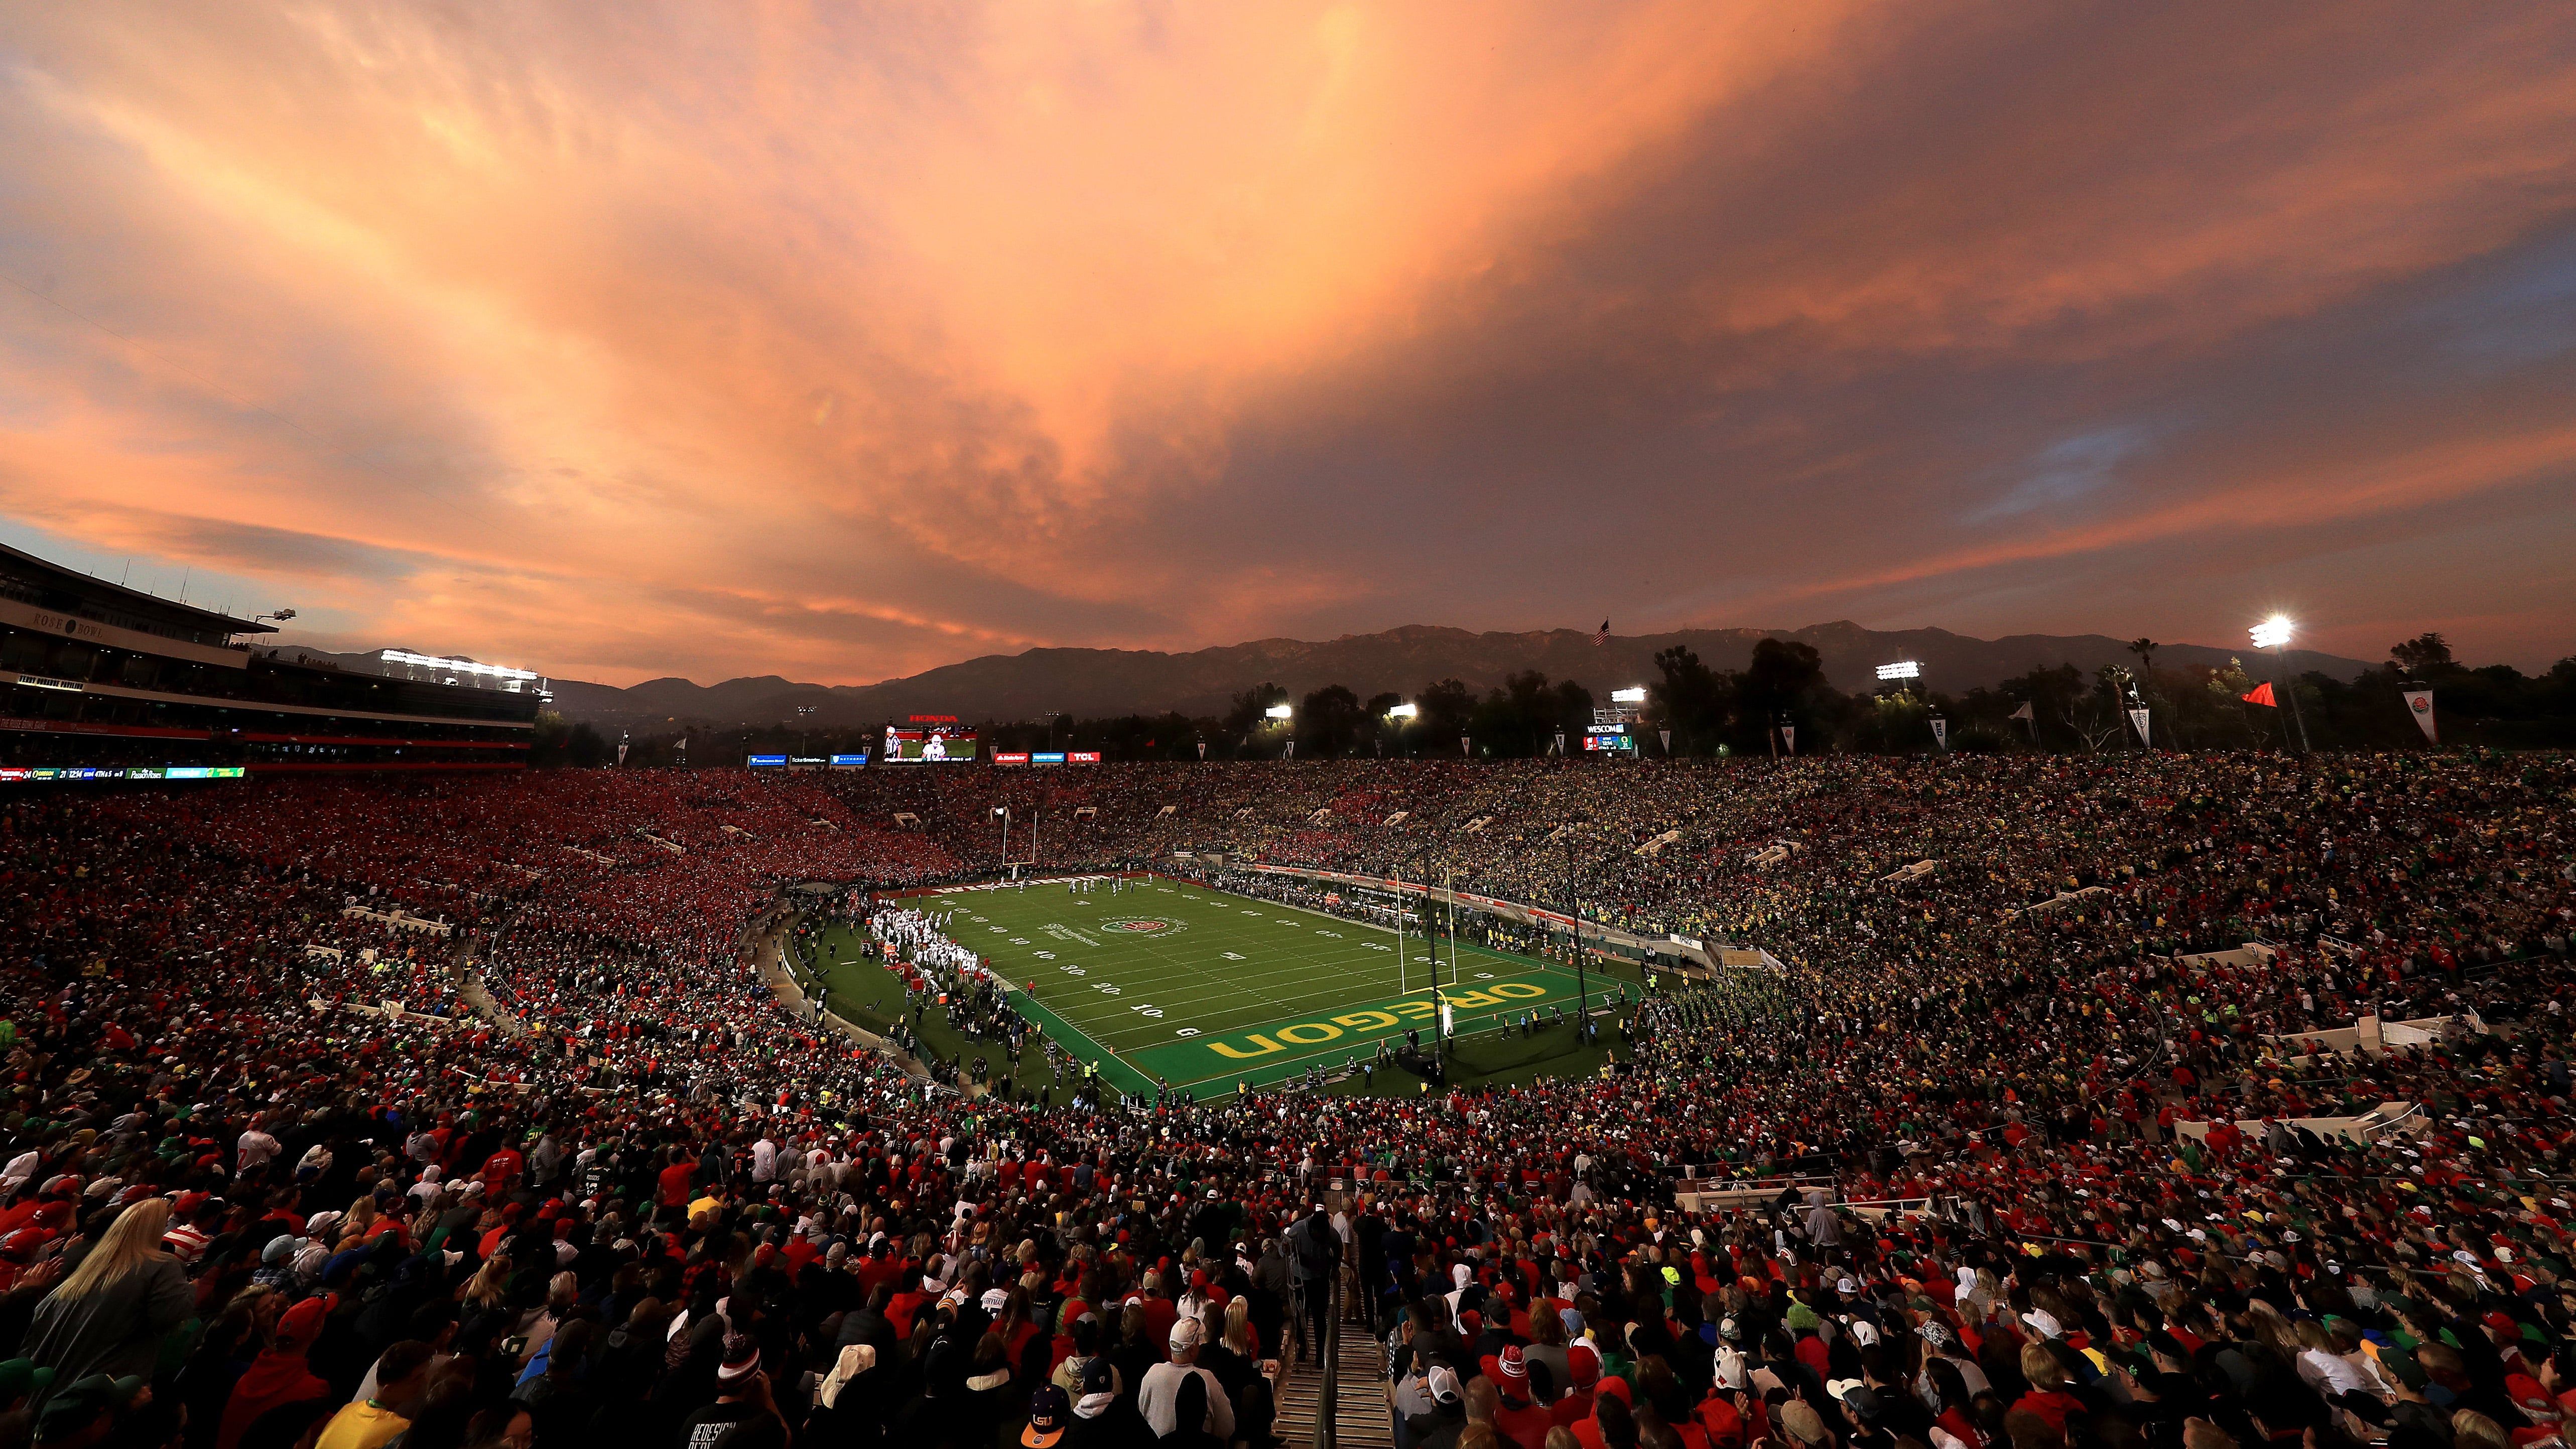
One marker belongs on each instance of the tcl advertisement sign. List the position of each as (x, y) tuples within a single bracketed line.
[(1082, 757)]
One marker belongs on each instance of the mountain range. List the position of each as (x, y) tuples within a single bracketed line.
[(1096, 682)]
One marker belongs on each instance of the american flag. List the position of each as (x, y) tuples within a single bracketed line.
[(1602, 635)]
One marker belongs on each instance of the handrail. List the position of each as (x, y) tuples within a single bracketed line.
[(1329, 1354)]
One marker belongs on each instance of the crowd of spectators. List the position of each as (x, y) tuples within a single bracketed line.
[(1998, 1157), (1683, 846)]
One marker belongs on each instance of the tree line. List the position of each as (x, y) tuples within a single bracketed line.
[(1720, 712)]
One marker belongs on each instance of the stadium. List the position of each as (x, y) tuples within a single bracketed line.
[(851, 726), (946, 1074)]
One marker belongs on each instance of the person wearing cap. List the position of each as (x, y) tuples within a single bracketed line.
[(1611, 1401), (1864, 1415), (1050, 1415), (1582, 1384), (86, 1411), (742, 1393), (111, 1314), (20, 1381), (1724, 1413), (1103, 1418), (1438, 1425), (1518, 1416), (1082, 1346), (1158, 1396), (1803, 1426)]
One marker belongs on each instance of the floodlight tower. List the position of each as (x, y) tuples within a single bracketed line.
[(1401, 715), (1278, 715), (2274, 634)]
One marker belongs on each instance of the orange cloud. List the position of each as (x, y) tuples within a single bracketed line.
[(841, 342)]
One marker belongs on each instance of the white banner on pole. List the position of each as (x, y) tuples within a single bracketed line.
[(2138, 722), (1789, 738), (1940, 732), (2419, 703)]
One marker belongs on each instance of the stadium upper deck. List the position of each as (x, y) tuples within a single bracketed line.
[(99, 676)]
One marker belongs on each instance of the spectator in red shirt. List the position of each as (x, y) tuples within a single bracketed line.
[(672, 1186)]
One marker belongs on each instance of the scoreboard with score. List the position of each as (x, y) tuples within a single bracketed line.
[(1609, 739)]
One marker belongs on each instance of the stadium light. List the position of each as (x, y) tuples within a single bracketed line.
[(1635, 694), (455, 666), (1901, 669), (2274, 634), (1278, 711), (1402, 711)]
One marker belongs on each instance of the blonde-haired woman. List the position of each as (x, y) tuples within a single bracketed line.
[(489, 1288), (1238, 1330), (110, 1315)]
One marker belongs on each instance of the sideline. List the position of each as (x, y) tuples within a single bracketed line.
[(769, 955)]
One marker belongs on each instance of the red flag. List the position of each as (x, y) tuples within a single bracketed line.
[(2262, 695)]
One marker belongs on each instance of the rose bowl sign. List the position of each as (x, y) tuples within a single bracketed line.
[(1142, 925)]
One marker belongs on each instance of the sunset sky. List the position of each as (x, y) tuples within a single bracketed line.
[(623, 340)]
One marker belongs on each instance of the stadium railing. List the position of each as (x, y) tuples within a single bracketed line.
[(1328, 1394)]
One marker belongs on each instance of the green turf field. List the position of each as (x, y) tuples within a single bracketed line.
[(1170, 982)]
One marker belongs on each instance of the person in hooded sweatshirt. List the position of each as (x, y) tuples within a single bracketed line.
[(624, 1373), (977, 1416), (850, 1405), (279, 1377)]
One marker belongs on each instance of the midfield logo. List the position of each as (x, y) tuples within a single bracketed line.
[(1143, 925)]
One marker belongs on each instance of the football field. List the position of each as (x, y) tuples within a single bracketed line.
[(1163, 982)]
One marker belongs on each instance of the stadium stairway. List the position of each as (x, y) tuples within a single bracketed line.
[(463, 966), (1359, 1396)]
